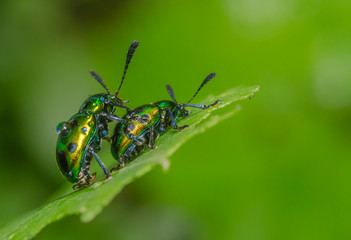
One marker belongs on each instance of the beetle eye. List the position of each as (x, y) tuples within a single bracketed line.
[(107, 101)]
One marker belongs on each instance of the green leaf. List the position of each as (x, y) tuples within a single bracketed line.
[(90, 201)]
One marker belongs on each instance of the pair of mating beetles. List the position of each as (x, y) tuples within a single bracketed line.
[(80, 137)]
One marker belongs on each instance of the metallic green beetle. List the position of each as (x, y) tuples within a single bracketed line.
[(146, 123), (80, 137)]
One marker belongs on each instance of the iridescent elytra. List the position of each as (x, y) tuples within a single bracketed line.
[(79, 139)]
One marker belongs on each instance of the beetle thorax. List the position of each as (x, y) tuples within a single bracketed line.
[(100, 103)]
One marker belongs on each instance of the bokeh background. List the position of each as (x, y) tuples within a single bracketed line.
[(280, 169)]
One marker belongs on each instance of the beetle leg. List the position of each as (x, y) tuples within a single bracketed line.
[(107, 174), (151, 140), (173, 123), (120, 165), (146, 119), (203, 107), (84, 182), (113, 117), (137, 139), (121, 161), (125, 107), (115, 169), (163, 124), (128, 134), (163, 117), (143, 119), (79, 186)]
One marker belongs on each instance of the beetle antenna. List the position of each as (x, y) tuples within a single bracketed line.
[(170, 91), (130, 53), (207, 79), (99, 79)]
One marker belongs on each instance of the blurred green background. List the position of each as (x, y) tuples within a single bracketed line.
[(280, 169)]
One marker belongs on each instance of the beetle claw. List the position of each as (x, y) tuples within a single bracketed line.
[(182, 128), (108, 178)]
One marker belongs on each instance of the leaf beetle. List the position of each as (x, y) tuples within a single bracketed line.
[(79, 139), (146, 123)]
